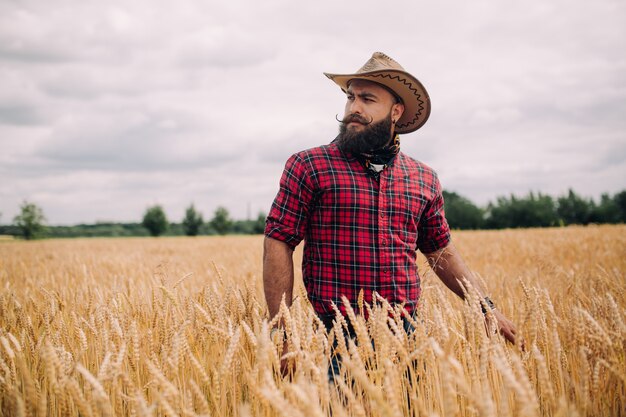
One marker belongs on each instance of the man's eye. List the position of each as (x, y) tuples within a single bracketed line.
[(350, 98)]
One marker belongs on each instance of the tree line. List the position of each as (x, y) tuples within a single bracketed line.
[(532, 210), (156, 223), (30, 223)]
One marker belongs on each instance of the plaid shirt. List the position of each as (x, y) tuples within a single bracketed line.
[(360, 233)]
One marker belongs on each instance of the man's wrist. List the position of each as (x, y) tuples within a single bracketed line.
[(488, 303), (277, 330)]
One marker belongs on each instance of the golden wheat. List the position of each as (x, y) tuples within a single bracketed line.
[(178, 327)]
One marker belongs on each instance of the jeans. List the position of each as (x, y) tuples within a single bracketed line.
[(335, 358)]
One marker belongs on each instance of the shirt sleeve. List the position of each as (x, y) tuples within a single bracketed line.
[(288, 217), (433, 232)]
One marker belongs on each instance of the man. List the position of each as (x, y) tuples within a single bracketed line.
[(363, 207)]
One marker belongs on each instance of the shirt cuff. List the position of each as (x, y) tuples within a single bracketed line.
[(435, 243), (280, 233)]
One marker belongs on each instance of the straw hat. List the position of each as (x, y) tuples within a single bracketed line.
[(383, 70)]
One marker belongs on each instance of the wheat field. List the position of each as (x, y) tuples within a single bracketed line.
[(178, 327)]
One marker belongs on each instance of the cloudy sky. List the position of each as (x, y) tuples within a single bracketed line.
[(109, 107)]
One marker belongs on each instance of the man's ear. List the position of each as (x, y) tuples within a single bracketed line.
[(396, 111)]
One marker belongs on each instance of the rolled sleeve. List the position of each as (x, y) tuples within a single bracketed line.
[(434, 232), (288, 217)]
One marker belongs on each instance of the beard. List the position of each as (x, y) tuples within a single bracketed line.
[(373, 137)]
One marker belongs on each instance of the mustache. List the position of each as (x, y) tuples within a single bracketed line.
[(354, 118)]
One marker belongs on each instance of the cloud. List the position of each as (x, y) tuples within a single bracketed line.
[(138, 102), (222, 47), (19, 115), (137, 141)]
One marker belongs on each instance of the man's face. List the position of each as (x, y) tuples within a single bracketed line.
[(370, 114), (370, 100)]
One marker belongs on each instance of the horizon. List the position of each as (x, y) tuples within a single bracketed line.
[(253, 216)]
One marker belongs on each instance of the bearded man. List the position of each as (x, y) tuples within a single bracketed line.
[(363, 208)]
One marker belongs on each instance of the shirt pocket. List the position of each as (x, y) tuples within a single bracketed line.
[(405, 211)]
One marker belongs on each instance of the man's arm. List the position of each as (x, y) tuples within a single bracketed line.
[(277, 274), (278, 281), (451, 269)]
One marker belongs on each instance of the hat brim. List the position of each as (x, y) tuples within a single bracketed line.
[(413, 94)]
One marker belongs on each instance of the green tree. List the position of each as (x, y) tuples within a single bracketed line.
[(461, 213), (573, 209), (499, 214), (540, 210), (535, 210), (192, 221), (607, 211), (155, 220), (259, 224), (221, 221), (30, 221), (620, 201)]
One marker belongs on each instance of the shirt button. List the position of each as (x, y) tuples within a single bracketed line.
[(384, 242), (382, 214)]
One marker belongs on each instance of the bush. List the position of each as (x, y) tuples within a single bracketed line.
[(221, 221), (155, 220), (192, 221), (461, 213), (30, 221)]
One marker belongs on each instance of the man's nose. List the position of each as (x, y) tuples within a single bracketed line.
[(355, 107)]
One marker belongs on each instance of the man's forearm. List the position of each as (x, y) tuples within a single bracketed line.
[(451, 269), (277, 274)]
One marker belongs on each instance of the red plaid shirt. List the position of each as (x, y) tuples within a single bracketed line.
[(360, 233)]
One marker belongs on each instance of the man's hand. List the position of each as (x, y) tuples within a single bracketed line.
[(286, 363), (503, 325)]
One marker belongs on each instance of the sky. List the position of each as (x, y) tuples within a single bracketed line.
[(107, 108)]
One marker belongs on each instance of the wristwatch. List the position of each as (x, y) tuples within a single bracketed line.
[(489, 303), (275, 330)]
